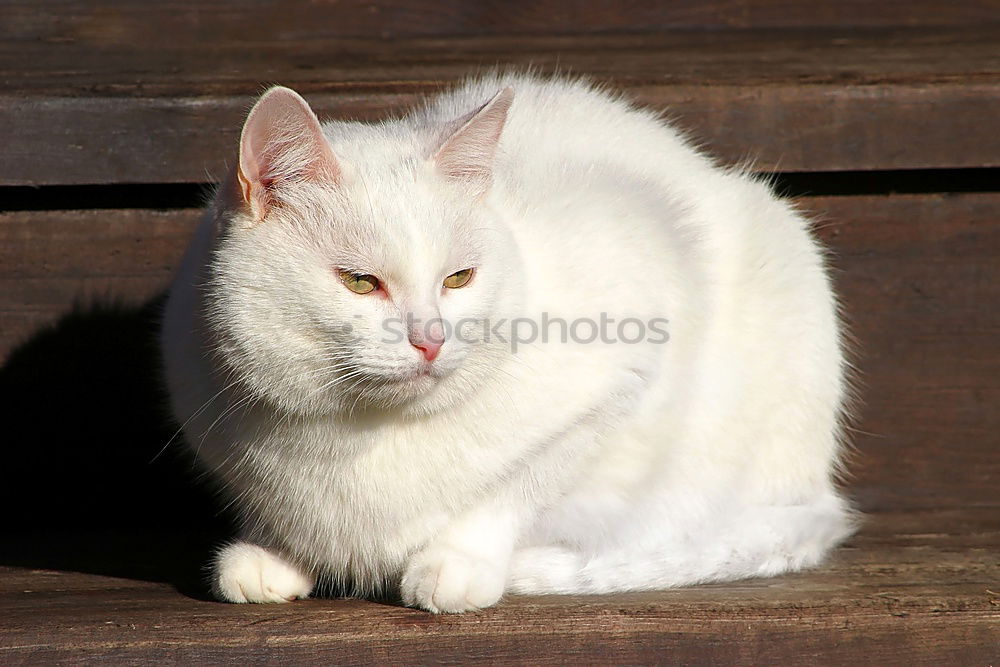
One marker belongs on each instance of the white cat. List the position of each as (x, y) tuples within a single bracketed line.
[(525, 339)]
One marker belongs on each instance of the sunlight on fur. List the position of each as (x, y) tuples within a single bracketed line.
[(445, 464)]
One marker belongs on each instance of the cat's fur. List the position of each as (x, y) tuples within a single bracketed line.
[(561, 467)]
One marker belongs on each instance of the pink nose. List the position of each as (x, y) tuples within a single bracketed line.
[(428, 348)]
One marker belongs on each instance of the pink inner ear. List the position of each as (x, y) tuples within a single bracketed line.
[(282, 142), (467, 155)]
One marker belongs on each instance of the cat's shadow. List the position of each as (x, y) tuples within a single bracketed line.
[(97, 479), (89, 485)]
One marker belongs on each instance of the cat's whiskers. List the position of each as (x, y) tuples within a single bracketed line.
[(193, 416), (246, 400), (225, 413)]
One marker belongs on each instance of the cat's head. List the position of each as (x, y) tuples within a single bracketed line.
[(344, 270)]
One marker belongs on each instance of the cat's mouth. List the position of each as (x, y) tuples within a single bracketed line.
[(396, 386), (423, 375), (411, 380), (422, 378)]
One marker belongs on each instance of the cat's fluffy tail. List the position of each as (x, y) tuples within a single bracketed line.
[(763, 541)]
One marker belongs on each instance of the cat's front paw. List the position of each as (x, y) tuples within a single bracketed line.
[(245, 572), (444, 580)]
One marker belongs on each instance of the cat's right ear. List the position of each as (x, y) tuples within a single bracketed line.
[(467, 155), (282, 143)]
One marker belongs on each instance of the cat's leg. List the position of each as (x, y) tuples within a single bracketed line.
[(245, 572), (464, 568), (763, 541)]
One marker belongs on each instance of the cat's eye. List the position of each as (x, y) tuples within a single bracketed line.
[(459, 279), (359, 283)]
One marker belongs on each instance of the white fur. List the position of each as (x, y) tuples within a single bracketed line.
[(563, 467), (249, 573)]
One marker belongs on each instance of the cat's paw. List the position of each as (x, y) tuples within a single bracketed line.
[(444, 580), (247, 573)]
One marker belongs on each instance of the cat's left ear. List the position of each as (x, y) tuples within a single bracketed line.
[(467, 154)]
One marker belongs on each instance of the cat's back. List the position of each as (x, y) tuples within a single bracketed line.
[(595, 167), (556, 123)]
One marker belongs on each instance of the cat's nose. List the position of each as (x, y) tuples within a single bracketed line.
[(429, 349), (428, 338)]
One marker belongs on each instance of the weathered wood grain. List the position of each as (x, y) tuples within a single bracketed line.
[(190, 20), (919, 276), (53, 261), (912, 588), (85, 107)]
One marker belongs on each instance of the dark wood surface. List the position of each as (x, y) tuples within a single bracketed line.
[(389, 19), (919, 276), (912, 588), (82, 103), (51, 261)]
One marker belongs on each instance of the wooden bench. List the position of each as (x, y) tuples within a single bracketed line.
[(881, 118)]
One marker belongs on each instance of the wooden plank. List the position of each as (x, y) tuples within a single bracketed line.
[(917, 274), (165, 22), (51, 262), (912, 588), (88, 108)]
